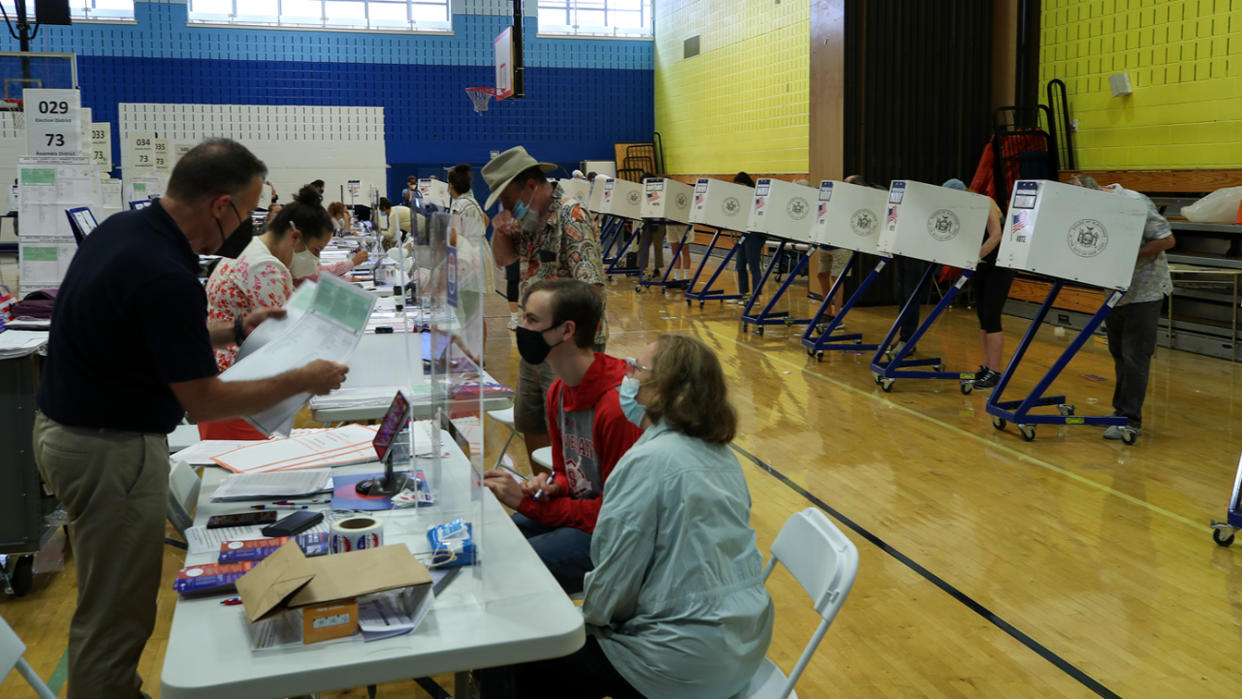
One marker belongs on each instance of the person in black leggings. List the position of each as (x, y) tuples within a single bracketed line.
[(991, 289), (513, 279)]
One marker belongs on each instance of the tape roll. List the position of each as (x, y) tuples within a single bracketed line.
[(356, 533)]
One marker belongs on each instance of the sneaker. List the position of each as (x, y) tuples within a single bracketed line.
[(985, 379), (1121, 432), (515, 319)]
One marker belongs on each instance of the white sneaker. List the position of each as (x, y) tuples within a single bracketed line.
[(515, 319), (1121, 432)]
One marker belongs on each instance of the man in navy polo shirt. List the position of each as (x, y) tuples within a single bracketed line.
[(130, 353)]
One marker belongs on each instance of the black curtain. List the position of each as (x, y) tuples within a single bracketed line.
[(918, 88)]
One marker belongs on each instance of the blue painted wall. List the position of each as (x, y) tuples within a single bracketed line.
[(582, 95)]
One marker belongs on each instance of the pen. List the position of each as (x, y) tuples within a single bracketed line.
[(538, 493), (230, 601), (280, 507), (301, 502)]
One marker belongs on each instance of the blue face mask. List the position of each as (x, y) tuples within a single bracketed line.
[(520, 209), (627, 395)]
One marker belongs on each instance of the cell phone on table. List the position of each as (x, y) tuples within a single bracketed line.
[(296, 523), (241, 519)]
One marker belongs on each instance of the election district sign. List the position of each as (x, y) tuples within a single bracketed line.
[(53, 122)]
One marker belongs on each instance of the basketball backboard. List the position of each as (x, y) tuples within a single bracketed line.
[(503, 45)]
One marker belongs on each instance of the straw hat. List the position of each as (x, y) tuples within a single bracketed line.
[(503, 168)]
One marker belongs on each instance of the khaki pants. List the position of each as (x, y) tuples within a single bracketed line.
[(114, 486)]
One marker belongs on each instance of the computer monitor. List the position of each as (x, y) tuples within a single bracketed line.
[(81, 222), (395, 420)]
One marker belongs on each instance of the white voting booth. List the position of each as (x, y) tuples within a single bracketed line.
[(783, 210), (434, 192), (579, 190), (667, 200), (849, 216), (1059, 230), (622, 198), (720, 204), (596, 197), (934, 224)]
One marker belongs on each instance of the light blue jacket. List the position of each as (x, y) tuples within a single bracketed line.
[(677, 598)]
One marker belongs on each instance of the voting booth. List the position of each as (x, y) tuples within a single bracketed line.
[(934, 224), (579, 190), (595, 201), (724, 206), (434, 192), (667, 200), (1082, 235), (783, 210), (721, 204), (1070, 234), (847, 216), (622, 198)]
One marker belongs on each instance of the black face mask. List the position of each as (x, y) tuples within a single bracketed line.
[(531, 345), (234, 244)]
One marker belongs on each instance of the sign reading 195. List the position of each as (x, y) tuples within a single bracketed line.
[(53, 107)]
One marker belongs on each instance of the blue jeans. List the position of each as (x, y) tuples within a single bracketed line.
[(566, 551), (749, 257)]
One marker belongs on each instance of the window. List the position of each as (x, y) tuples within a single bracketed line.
[(83, 9), (408, 15), (622, 18)]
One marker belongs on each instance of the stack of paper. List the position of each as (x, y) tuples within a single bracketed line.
[(280, 484), (19, 343), (350, 444)]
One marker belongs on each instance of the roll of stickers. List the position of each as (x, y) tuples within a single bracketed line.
[(356, 533)]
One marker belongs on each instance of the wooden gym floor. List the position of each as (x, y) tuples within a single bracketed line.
[(990, 566)]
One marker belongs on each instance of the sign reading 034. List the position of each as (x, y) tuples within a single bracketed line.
[(53, 122)]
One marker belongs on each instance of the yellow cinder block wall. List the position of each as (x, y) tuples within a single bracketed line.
[(743, 102), (1184, 59)]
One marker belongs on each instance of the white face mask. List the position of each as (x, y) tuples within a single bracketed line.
[(304, 264)]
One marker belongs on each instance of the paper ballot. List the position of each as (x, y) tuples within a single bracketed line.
[(330, 328)]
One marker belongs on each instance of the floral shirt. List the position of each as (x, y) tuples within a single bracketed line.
[(567, 247), (256, 279), (1151, 280)]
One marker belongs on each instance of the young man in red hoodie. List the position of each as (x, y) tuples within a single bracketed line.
[(589, 432)]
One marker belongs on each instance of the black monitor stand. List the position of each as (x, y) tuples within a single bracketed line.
[(388, 485)]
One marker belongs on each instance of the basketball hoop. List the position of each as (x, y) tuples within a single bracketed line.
[(480, 96)]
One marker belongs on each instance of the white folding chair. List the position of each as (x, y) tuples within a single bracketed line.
[(543, 457), (824, 562), (504, 417), (11, 650)]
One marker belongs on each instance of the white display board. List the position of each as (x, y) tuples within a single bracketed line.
[(720, 204), (112, 198), (49, 186), (434, 191), (299, 144), (53, 123), (783, 209), (1083, 235), (622, 198), (934, 224), (596, 200), (600, 167), (849, 216), (576, 189), (667, 200)]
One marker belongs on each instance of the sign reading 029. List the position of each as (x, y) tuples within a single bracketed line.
[(53, 126)]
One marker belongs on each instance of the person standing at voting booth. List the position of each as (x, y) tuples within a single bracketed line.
[(557, 239), (675, 605), (556, 513), (130, 352), (749, 256), (1133, 323), (991, 289)]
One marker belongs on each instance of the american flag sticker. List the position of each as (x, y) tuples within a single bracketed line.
[(823, 209), (891, 220)]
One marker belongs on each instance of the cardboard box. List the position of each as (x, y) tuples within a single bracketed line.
[(720, 204), (578, 190), (622, 198), (783, 210), (849, 216), (666, 200), (324, 591), (1073, 233), (934, 224)]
